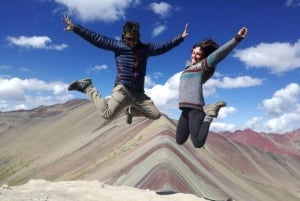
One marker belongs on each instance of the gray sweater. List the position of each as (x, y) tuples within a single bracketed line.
[(193, 76)]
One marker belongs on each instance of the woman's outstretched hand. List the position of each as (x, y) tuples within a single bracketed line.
[(243, 32)]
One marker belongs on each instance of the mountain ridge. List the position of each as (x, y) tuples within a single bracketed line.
[(71, 141)]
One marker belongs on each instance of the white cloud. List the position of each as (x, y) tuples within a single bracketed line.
[(229, 83), (89, 10), (288, 3), (32, 42), (149, 82), (158, 30), (97, 68), (165, 95), (218, 126), (35, 42), (284, 123), (253, 123), (57, 47), (239, 82), (225, 111), (24, 69), (221, 126), (278, 57), (16, 93), (20, 107), (3, 67), (283, 100), (292, 3), (282, 111), (162, 9)]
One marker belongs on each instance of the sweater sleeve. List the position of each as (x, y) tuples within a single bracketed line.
[(218, 55)]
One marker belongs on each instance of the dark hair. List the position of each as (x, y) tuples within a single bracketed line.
[(131, 27), (207, 46)]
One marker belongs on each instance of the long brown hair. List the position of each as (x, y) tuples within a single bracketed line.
[(207, 46)]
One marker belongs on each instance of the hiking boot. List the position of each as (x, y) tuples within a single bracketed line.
[(213, 109), (80, 85), (128, 115)]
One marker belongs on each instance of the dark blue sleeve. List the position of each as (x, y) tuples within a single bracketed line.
[(161, 48), (96, 39)]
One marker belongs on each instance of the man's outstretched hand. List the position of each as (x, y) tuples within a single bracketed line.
[(69, 23), (185, 32)]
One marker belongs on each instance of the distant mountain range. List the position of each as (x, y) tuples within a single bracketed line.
[(71, 141), (286, 144)]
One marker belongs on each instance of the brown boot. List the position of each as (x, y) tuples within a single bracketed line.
[(213, 109), (80, 85)]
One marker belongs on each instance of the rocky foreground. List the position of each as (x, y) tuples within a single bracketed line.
[(42, 190)]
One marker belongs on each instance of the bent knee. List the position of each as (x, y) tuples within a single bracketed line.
[(155, 116), (198, 144), (180, 142)]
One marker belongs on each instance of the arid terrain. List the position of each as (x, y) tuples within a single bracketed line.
[(64, 145)]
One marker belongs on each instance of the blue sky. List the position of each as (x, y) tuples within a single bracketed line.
[(259, 80)]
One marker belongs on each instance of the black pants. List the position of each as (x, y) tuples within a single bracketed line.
[(191, 122)]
